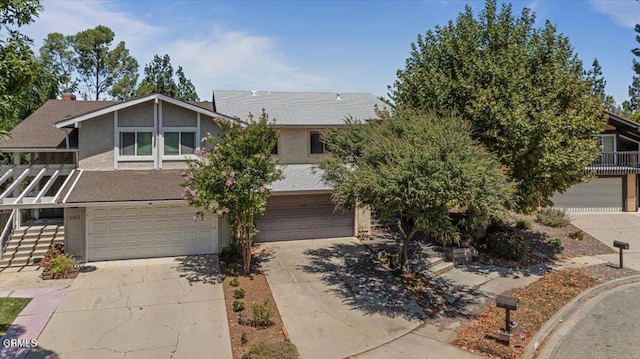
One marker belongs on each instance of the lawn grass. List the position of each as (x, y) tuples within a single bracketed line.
[(539, 301), (9, 310)]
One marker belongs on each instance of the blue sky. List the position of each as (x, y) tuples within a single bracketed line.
[(335, 46)]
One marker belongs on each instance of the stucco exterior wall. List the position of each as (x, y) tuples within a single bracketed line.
[(363, 220), (174, 165), (224, 233), (140, 115), (293, 146), (174, 116), (208, 126), (74, 232), (95, 143)]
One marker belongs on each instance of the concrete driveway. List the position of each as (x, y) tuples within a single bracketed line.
[(152, 308), (607, 227), (334, 299)]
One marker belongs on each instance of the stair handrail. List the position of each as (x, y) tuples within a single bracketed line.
[(7, 231)]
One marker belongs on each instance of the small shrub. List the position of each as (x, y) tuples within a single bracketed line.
[(234, 282), (555, 241), (238, 306), (577, 235), (262, 313), (238, 293), (243, 338), (242, 319), (509, 246), (553, 217), (524, 224), (61, 264), (280, 350), (54, 250)]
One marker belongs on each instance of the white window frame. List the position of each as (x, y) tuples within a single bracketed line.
[(180, 130), (136, 130), (615, 141)]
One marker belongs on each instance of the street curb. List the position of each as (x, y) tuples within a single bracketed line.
[(569, 308)]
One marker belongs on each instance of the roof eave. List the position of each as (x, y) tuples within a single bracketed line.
[(155, 97)]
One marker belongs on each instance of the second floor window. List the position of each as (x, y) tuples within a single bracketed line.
[(179, 143), (317, 146), (136, 144)]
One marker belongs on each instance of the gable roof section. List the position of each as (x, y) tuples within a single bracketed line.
[(133, 102), (38, 130), (298, 108)]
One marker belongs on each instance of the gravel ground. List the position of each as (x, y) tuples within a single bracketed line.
[(588, 246), (606, 271)]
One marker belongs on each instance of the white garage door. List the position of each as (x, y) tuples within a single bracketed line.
[(303, 217), (597, 195), (149, 231)]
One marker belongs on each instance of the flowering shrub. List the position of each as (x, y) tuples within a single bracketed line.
[(231, 175)]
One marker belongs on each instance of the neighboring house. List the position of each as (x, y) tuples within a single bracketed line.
[(615, 183), (111, 172), (300, 206)]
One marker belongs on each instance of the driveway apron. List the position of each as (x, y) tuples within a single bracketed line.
[(151, 308), (335, 299)]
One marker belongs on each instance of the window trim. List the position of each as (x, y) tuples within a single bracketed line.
[(324, 146), (612, 135), (180, 130), (135, 157)]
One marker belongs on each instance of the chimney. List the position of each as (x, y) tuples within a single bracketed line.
[(338, 98), (213, 100), (68, 97)]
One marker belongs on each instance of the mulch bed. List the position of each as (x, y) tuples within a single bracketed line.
[(571, 247), (575, 243), (539, 301), (607, 271), (256, 290)]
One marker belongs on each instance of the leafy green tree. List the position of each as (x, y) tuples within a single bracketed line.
[(59, 58), (102, 69), (24, 82), (598, 84), (522, 89), (159, 78), (231, 177), (636, 51), (631, 107), (417, 168)]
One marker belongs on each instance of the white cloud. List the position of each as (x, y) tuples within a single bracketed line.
[(625, 13), (69, 17), (237, 60), (214, 59)]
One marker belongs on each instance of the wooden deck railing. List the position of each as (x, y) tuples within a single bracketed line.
[(616, 163)]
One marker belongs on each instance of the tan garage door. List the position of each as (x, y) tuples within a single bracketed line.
[(303, 217), (597, 195), (148, 231)]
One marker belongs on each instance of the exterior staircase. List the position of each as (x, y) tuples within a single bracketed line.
[(436, 265), (29, 243)]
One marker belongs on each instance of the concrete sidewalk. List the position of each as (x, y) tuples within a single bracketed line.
[(608, 227), (32, 320)]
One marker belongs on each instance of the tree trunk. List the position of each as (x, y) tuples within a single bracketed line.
[(405, 245)]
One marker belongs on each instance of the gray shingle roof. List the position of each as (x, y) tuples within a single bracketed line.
[(127, 185), (298, 108), (305, 177), (38, 129)]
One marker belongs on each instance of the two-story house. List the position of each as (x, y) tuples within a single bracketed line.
[(105, 176), (614, 186)]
